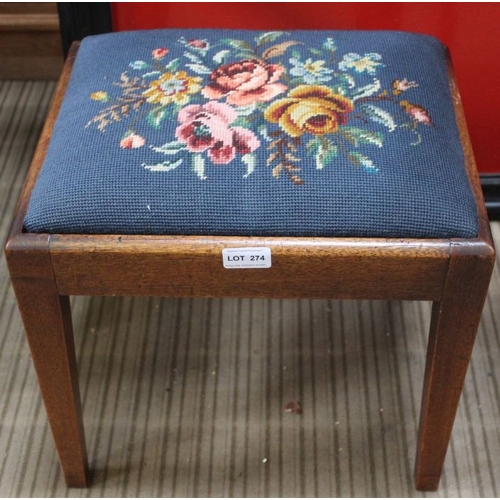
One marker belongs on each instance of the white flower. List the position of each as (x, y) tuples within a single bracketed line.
[(311, 72), (368, 62)]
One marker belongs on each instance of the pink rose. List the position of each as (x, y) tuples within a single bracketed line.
[(132, 141), (207, 128), (221, 153), (245, 82), (159, 53), (211, 110), (244, 140), (204, 126)]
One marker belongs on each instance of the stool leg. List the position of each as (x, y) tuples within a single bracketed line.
[(47, 320), (454, 323)]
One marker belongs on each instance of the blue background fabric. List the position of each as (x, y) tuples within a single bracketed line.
[(381, 157)]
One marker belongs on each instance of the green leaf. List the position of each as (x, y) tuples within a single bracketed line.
[(165, 166), (246, 110), (359, 160), (269, 37), (241, 121), (198, 164), (199, 69), (237, 44), (316, 52), (357, 136), (220, 57), (379, 115), (250, 161), (313, 145), (170, 148), (295, 82), (245, 54), (262, 129), (151, 74), (173, 65), (156, 116), (193, 57), (326, 152), (367, 90), (345, 82)]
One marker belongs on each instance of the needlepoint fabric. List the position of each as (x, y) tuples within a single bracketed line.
[(225, 132)]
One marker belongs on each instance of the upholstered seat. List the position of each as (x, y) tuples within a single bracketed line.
[(252, 133), (329, 165)]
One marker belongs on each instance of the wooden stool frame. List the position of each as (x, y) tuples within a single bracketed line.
[(47, 268)]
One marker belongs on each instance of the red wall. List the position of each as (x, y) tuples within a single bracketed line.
[(471, 30)]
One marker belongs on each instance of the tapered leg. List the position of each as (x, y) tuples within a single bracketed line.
[(47, 320), (454, 324)]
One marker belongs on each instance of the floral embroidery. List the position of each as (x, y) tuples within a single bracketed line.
[(207, 128), (196, 44), (245, 82), (159, 53), (138, 65), (132, 141), (311, 72), (173, 88), (315, 109), (231, 99), (400, 86), (368, 63), (330, 44), (418, 113), (99, 96)]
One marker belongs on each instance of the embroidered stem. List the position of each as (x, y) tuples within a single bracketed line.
[(283, 152)]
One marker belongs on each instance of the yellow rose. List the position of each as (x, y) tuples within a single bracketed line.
[(315, 109)]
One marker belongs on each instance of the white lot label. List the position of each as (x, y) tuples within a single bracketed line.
[(246, 258)]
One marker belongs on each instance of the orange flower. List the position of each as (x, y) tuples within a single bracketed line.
[(315, 109)]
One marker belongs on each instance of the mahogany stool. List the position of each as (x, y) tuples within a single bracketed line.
[(199, 163)]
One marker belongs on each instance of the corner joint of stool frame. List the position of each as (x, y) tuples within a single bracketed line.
[(483, 248), (27, 256)]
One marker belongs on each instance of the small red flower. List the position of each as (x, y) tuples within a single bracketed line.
[(198, 44), (132, 141), (159, 53), (418, 113), (399, 86)]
